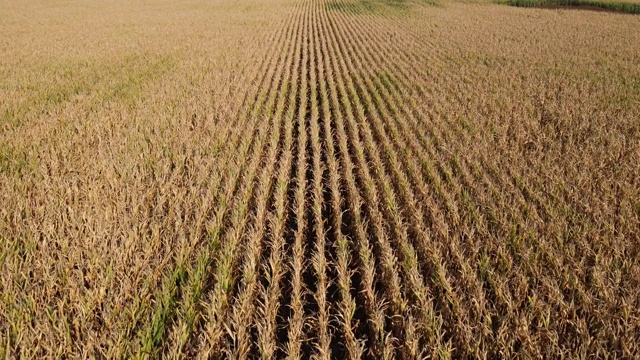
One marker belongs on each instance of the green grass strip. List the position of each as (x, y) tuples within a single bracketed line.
[(628, 8)]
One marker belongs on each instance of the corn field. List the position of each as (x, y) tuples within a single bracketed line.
[(323, 179)]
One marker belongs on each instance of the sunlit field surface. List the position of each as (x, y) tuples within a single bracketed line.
[(318, 178)]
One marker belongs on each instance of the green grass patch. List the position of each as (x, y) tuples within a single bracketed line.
[(612, 6), (128, 87), (369, 6), (14, 160), (119, 80)]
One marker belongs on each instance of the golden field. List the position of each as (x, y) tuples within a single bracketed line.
[(318, 178)]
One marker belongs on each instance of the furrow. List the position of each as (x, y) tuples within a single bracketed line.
[(523, 190), (348, 339), (500, 250), (223, 279), (190, 309), (467, 184), (404, 193), (153, 335), (245, 332), (387, 252), (319, 261), (273, 271), (298, 318), (380, 105), (380, 338), (292, 318)]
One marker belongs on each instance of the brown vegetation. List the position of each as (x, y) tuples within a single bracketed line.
[(327, 179)]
